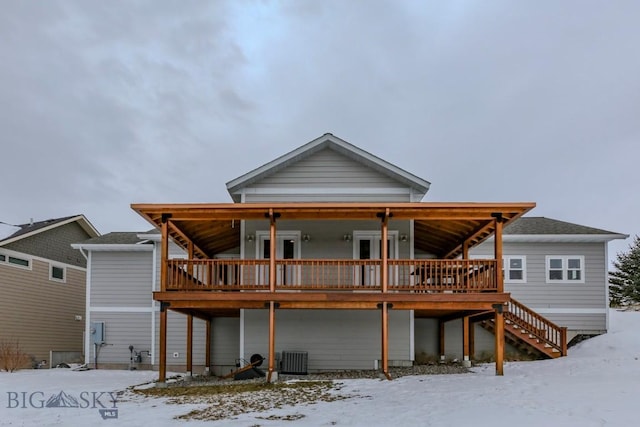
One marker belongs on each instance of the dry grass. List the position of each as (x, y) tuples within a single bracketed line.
[(229, 400)]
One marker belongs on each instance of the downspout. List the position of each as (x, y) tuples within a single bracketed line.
[(154, 278), (87, 312)]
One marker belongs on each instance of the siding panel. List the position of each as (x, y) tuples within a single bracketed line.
[(334, 339)]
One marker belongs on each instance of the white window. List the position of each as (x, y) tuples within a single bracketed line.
[(565, 269), (15, 260), (57, 273), (515, 269)]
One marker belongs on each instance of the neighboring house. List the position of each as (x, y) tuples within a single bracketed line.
[(42, 286), (327, 295)]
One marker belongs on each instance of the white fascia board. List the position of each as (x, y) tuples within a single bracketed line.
[(342, 146), (327, 190), (150, 237), (83, 222), (563, 238), (113, 248), (38, 258)]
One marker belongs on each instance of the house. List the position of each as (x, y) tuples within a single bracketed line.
[(42, 287), (294, 270)]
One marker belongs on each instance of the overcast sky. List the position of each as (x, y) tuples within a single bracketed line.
[(104, 104)]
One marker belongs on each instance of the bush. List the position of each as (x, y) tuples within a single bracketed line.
[(12, 357)]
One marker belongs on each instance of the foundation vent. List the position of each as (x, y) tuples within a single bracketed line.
[(294, 362)]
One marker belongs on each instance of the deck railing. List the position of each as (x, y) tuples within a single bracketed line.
[(423, 276), (535, 324)]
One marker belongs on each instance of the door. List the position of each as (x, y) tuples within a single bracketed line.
[(367, 246), (288, 247)]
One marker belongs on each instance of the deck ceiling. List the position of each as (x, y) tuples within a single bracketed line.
[(439, 228)]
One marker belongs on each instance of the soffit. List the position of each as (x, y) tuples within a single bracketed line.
[(440, 228)]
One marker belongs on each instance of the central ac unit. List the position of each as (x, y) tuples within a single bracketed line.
[(294, 362)]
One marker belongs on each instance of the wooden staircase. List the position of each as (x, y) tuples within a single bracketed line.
[(529, 331)]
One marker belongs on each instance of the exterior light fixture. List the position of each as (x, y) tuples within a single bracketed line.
[(403, 238), (347, 237), (250, 237), (306, 237)]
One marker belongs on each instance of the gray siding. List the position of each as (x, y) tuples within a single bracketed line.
[(121, 279), (565, 303), (225, 344), (54, 244), (177, 340), (41, 313), (327, 236), (427, 341), (121, 331), (327, 169), (334, 339)]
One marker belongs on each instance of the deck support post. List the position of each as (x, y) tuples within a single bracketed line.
[(272, 251), (441, 340), (162, 368), (498, 250), (207, 347), (466, 362), (272, 339), (189, 345), (385, 340), (164, 256), (472, 340), (499, 333)]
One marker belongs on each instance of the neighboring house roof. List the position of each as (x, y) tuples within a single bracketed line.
[(327, 141), (547, 229), (32, 228), (116, 241), (116, 238)]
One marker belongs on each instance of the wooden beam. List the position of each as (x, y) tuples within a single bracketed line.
[(162, 368), (272, 251), (189, 344), (272, 339), (174, 229), (385, 340), (441, 341), (499, 344), (385, 252), (472, 340), (207, 349), (498, 251), (164, 254), (465, 340)]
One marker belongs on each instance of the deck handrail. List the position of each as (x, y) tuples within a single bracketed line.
[(405, 275), (537, 325)]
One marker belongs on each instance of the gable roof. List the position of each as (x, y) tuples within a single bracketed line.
[(327, 141), (547, 229), (116, 238), (33, 228)]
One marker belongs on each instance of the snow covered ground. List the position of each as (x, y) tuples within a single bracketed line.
[(597, 384)]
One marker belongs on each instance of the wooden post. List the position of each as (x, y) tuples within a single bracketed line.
[(465, 256), (272, 252), (162, 368), (441, 340), (563, 338), (499, 332), (472, 340), (385, 340), (189, 344), (164, 253), (272, 338), (207, 349), (498, 251), (384, 270), (465, 342)]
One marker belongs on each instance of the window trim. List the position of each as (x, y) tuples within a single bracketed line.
[(565, 268), (64, 273), (506, 269), (7, 260)]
